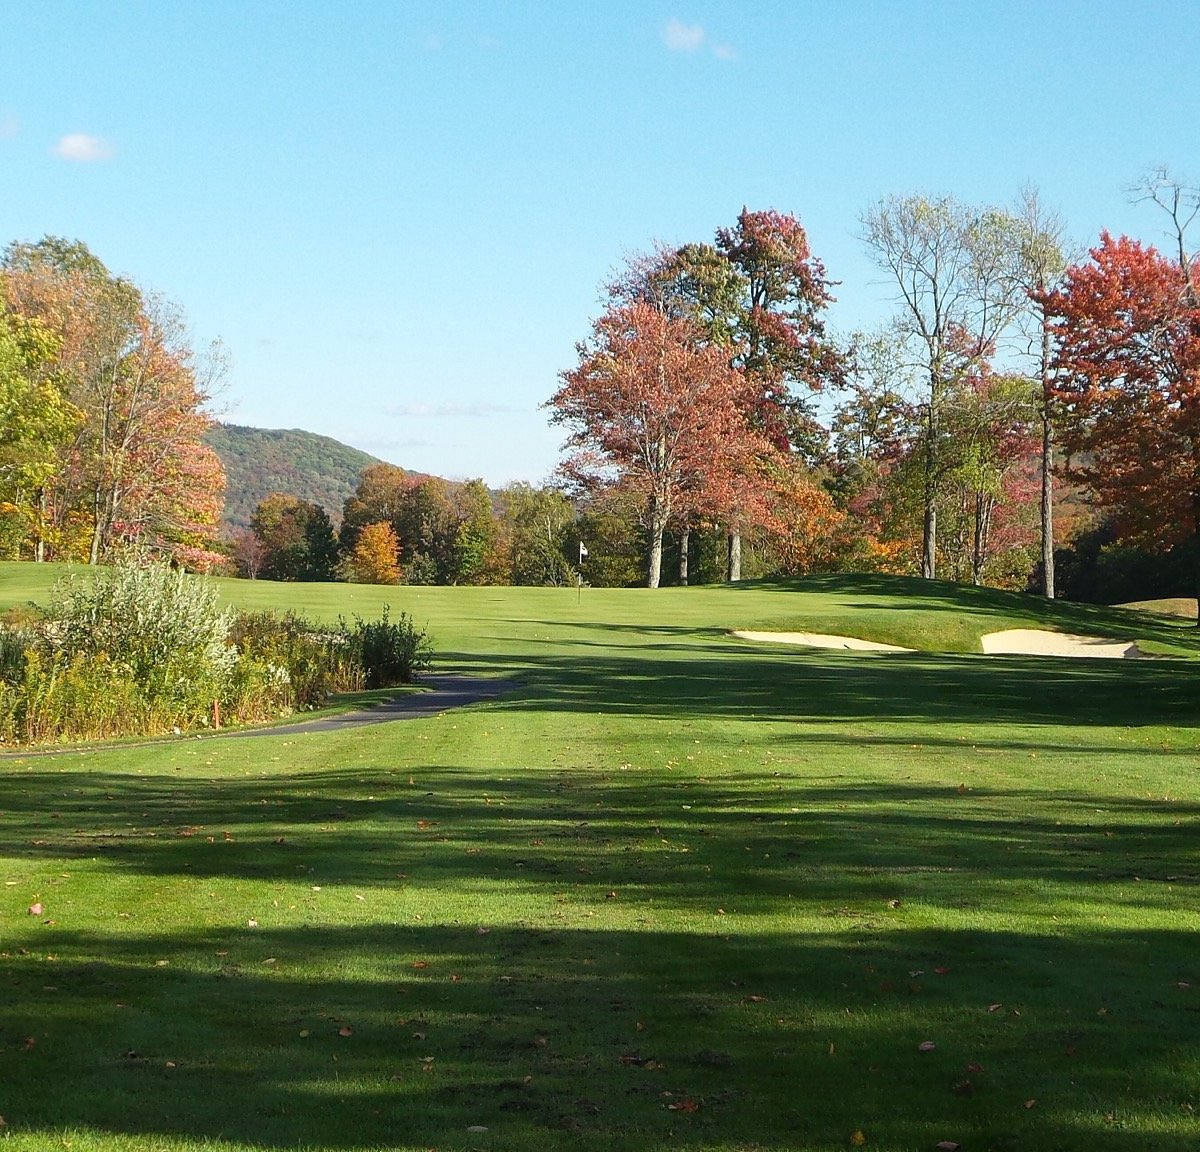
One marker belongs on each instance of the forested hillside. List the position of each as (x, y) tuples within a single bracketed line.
[(259, 461)]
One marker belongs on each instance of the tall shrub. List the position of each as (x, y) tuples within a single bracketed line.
[(163, 626)]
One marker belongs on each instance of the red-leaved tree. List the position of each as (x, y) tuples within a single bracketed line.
[(1127, 327)]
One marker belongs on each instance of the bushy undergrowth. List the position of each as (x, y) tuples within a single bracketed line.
[(388, 651), (146, 650)]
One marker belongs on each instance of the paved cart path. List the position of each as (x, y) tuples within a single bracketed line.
[(445, 692)]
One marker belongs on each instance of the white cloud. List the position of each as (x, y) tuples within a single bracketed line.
[(81, 148), (681, 37), (724, 52)]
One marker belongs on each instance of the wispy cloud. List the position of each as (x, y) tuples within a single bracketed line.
[(442, 411), (681, 37), (81, 148), (692, 38)]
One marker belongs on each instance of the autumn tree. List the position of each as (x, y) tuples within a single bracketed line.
[(1127, 331), (136, 468), (957, 272), (380, 495), (654, 409), (375, 557), (760, 293)]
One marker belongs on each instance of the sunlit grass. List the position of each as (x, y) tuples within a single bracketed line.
[(673, 890)]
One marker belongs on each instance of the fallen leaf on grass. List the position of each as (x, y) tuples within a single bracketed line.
[(995, 1007), (755, 1000), (687, 1104), (926, 1046), (345, 1030), (420, 963), (858, 1138), (35, 909), (947, 1146), (1029, 1104), (476, 1128)]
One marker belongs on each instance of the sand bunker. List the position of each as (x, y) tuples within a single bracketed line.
[(1014, 642), (1038, 642), (820, 640)]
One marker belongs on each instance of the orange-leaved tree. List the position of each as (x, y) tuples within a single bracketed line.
[(135, 468), (658, 411), (375, 557)]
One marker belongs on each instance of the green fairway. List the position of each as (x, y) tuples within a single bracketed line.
[(674, 890)]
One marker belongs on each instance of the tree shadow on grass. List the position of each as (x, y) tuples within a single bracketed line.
[(686, 845), (749, 684), (381, 1035), (598, 947)]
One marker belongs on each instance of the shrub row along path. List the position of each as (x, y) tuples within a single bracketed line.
[(444, 692)]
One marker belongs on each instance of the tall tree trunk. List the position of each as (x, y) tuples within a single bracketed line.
[(685, 539), (39, 544), (658, 525), (984, 506), (1047, 504), (97, 528), (929, 525), (733, 572), (1047, 469)]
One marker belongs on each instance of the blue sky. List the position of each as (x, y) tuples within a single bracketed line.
[(397, 216)]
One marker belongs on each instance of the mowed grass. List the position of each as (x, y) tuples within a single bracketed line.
[(672, 890)]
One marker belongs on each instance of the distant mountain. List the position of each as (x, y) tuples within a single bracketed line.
[(259, 461)]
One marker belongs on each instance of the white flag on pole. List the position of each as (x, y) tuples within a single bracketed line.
[(582, 551)]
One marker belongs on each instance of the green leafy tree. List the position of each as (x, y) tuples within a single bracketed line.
[(36, 424), (296, 537), (958, 273), (477, 535), (534, 529)]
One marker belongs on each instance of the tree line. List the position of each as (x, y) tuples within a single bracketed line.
[(1016, 381), (1023, 394)]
